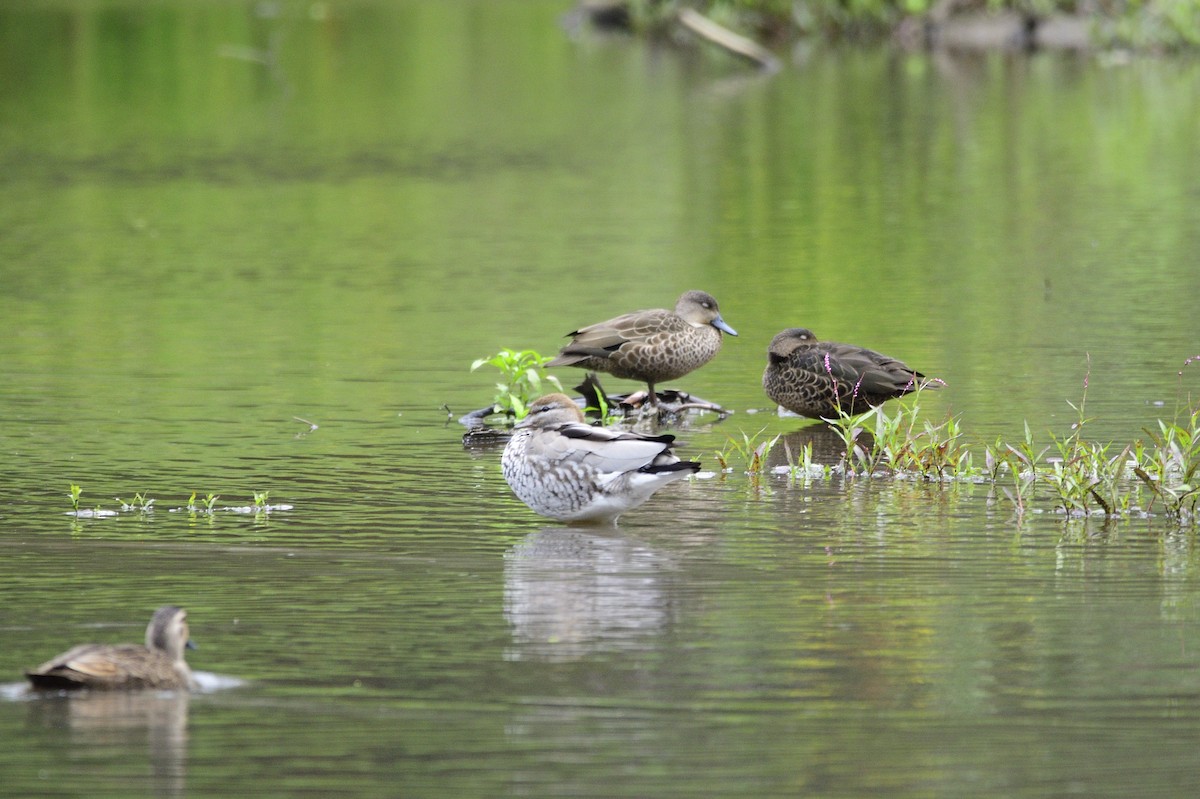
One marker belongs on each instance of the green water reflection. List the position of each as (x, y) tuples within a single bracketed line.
[(216, 217)]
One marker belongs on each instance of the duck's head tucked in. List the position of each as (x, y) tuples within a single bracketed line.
[(563, 468), (550, 411), (787, 341), (822, 379)]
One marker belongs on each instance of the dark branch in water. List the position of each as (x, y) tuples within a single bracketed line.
[(942, 25), (671, 403), (721, 36)]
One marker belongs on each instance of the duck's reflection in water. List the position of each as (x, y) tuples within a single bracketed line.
[(569, 593), (828, 446), (157, 720)]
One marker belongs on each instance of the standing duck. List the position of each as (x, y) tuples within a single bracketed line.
[(818, 378), (651, 346), (159, 664), (563, 468)]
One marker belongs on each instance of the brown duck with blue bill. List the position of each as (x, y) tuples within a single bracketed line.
[(652, 346)]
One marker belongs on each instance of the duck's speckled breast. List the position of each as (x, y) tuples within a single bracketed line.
[(799, 385), (557, 488)]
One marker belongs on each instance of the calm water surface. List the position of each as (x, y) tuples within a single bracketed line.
[(218, 220)]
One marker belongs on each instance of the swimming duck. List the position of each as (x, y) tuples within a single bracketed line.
[(158, 664), (563, 468), (817, 378), (651, 346)]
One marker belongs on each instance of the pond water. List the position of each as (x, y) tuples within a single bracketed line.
[(256, 247)]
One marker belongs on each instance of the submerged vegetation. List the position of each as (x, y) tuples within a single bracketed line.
[(752, 450), (145, 505), (1168, 467), (1157, 474)]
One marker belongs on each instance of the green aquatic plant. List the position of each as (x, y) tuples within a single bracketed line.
[(1083, 477), (860, 454), (1020, 461), (902, 443), (940, 450), (751, 450), (143, 503), (1171, 468), (85, 513), (207, 505), (139, 503), (1083, 473), (802, 465), (907, 444), (522, 379), (609, 414)]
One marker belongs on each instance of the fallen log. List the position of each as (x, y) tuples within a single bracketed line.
[(671, 404), (724, 38)]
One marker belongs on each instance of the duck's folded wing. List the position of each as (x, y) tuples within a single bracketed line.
[(603, 338), (609, 450), (586, 432), (86, 660), (872, 372), (590, 343), (96, 662)]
